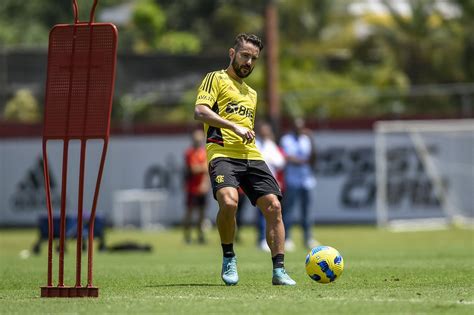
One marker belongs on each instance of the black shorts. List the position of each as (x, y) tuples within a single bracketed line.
[(253, 176)]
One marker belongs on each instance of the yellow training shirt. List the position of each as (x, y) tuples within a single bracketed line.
[(233, 101)]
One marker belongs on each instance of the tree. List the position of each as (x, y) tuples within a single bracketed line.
[(421, 44), (23, 107), (27, 23), (465, 25)]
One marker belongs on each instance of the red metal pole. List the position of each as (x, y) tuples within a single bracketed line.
[(62, 226), (94, 207), (92, 13), (62, 233), (50, 214), (83, 158), (79, 214)]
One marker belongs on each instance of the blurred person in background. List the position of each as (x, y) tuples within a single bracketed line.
[(241, 205), (227, 107), (275, 160), (197, 186), (300, 155)]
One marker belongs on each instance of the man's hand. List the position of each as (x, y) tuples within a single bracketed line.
[(246, 134), (206, 115)]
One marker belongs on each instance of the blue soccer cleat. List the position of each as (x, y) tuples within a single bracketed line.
[(229, 271), (280, 277)]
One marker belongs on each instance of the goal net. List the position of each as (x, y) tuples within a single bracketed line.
[(424, 173)]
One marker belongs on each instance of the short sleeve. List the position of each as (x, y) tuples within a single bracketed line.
[(208, 90)]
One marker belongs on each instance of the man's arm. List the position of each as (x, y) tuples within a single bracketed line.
[(204, 114)]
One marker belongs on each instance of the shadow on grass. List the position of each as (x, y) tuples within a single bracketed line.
[(184, 285)]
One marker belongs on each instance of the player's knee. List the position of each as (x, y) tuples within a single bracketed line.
[(228, 204), (228, 199), (273, 208), (276, 207)]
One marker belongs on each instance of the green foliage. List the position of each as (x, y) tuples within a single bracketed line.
[(465, 31), (130, 109), (327, 68), (421, 45), (151, 32), (27, 23), (149, 21), (23, 107), (301, 19), (227, 23), (325, 95), (214, 22), (336, 73), (179, 43)]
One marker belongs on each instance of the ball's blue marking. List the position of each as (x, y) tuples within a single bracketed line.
[(337, 259), (318, 249), (315, 277), (307, 259), (327, 271)]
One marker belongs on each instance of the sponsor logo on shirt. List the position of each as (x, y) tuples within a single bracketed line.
[(235, 108)]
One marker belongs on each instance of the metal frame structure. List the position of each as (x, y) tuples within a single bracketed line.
[(78, 104)]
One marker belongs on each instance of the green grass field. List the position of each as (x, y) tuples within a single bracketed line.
[(391, 273)]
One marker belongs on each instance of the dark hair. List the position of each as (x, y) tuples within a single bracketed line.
[(250, 38)]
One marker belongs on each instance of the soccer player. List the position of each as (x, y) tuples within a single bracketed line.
[(197, 185), (227, 106)]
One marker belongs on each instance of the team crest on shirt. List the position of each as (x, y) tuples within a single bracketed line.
[(219, 179)]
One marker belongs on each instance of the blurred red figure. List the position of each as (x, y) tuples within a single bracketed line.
[(197, 185)]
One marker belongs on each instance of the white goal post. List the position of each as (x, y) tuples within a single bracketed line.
[(424, 173)]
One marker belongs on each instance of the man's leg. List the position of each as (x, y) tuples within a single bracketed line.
[(228, 198), (275, 232)]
